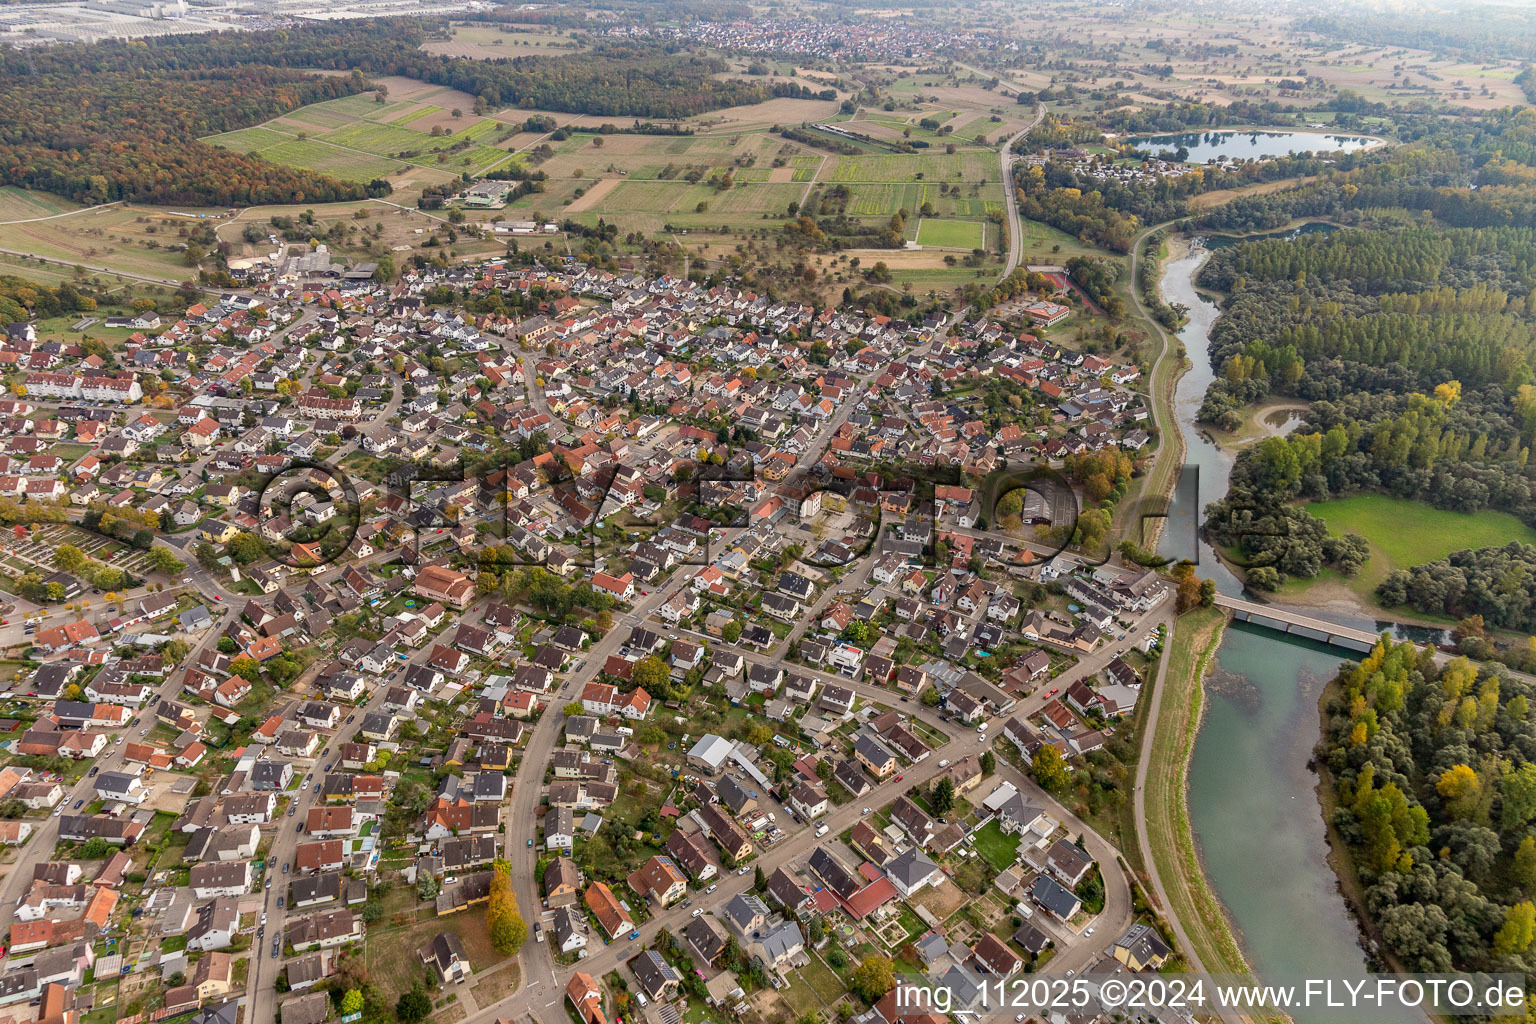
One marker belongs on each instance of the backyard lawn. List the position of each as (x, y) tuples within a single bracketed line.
[(391, 954), (996, 847), (822, 979)]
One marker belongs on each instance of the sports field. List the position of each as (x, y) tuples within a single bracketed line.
[(1409, 533), (953, 234)]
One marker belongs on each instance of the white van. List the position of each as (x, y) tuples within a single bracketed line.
[(640, 998), (822, 830)]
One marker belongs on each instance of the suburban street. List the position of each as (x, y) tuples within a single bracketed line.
[(543, 987), (18, 875)]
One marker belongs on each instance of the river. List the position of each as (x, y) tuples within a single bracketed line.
[(1252, 802)]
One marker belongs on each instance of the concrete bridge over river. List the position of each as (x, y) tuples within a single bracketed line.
[(1295, 623)]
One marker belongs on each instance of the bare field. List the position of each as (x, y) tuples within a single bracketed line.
[(766, 115), (900, 259), (593, 195), (1206, 200), (415, 90)]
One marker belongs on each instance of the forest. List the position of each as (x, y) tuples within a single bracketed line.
[(1109, 212), (1432, 772), (1391, 309), (1412, 333), (1464, 451), (1479, 31), (21, 300), (1430, 172), (101, 136), (120, 120), (1498, 584)]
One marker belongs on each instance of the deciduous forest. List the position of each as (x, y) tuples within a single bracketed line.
[(1432, 768), (120, 120), (1413, 335)]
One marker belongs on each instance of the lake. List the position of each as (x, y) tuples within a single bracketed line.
[(1203, 147)]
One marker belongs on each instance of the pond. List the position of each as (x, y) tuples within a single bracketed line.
[(1287, 417), (1259, 144)]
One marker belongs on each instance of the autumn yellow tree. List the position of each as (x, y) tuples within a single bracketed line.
[(1517, 931), (1461, 789), (506, 927)]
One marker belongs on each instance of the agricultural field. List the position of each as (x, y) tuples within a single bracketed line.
[(762, 116), (873, 200), (748, 157), (952, 234), (500, 42), (21, 203), (1248, 68), (966, 166), (309, 153), (359, 139), (135, 240), (798, 168), (648, 205)]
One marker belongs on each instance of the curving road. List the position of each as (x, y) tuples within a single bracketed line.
[(1015, 223)]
